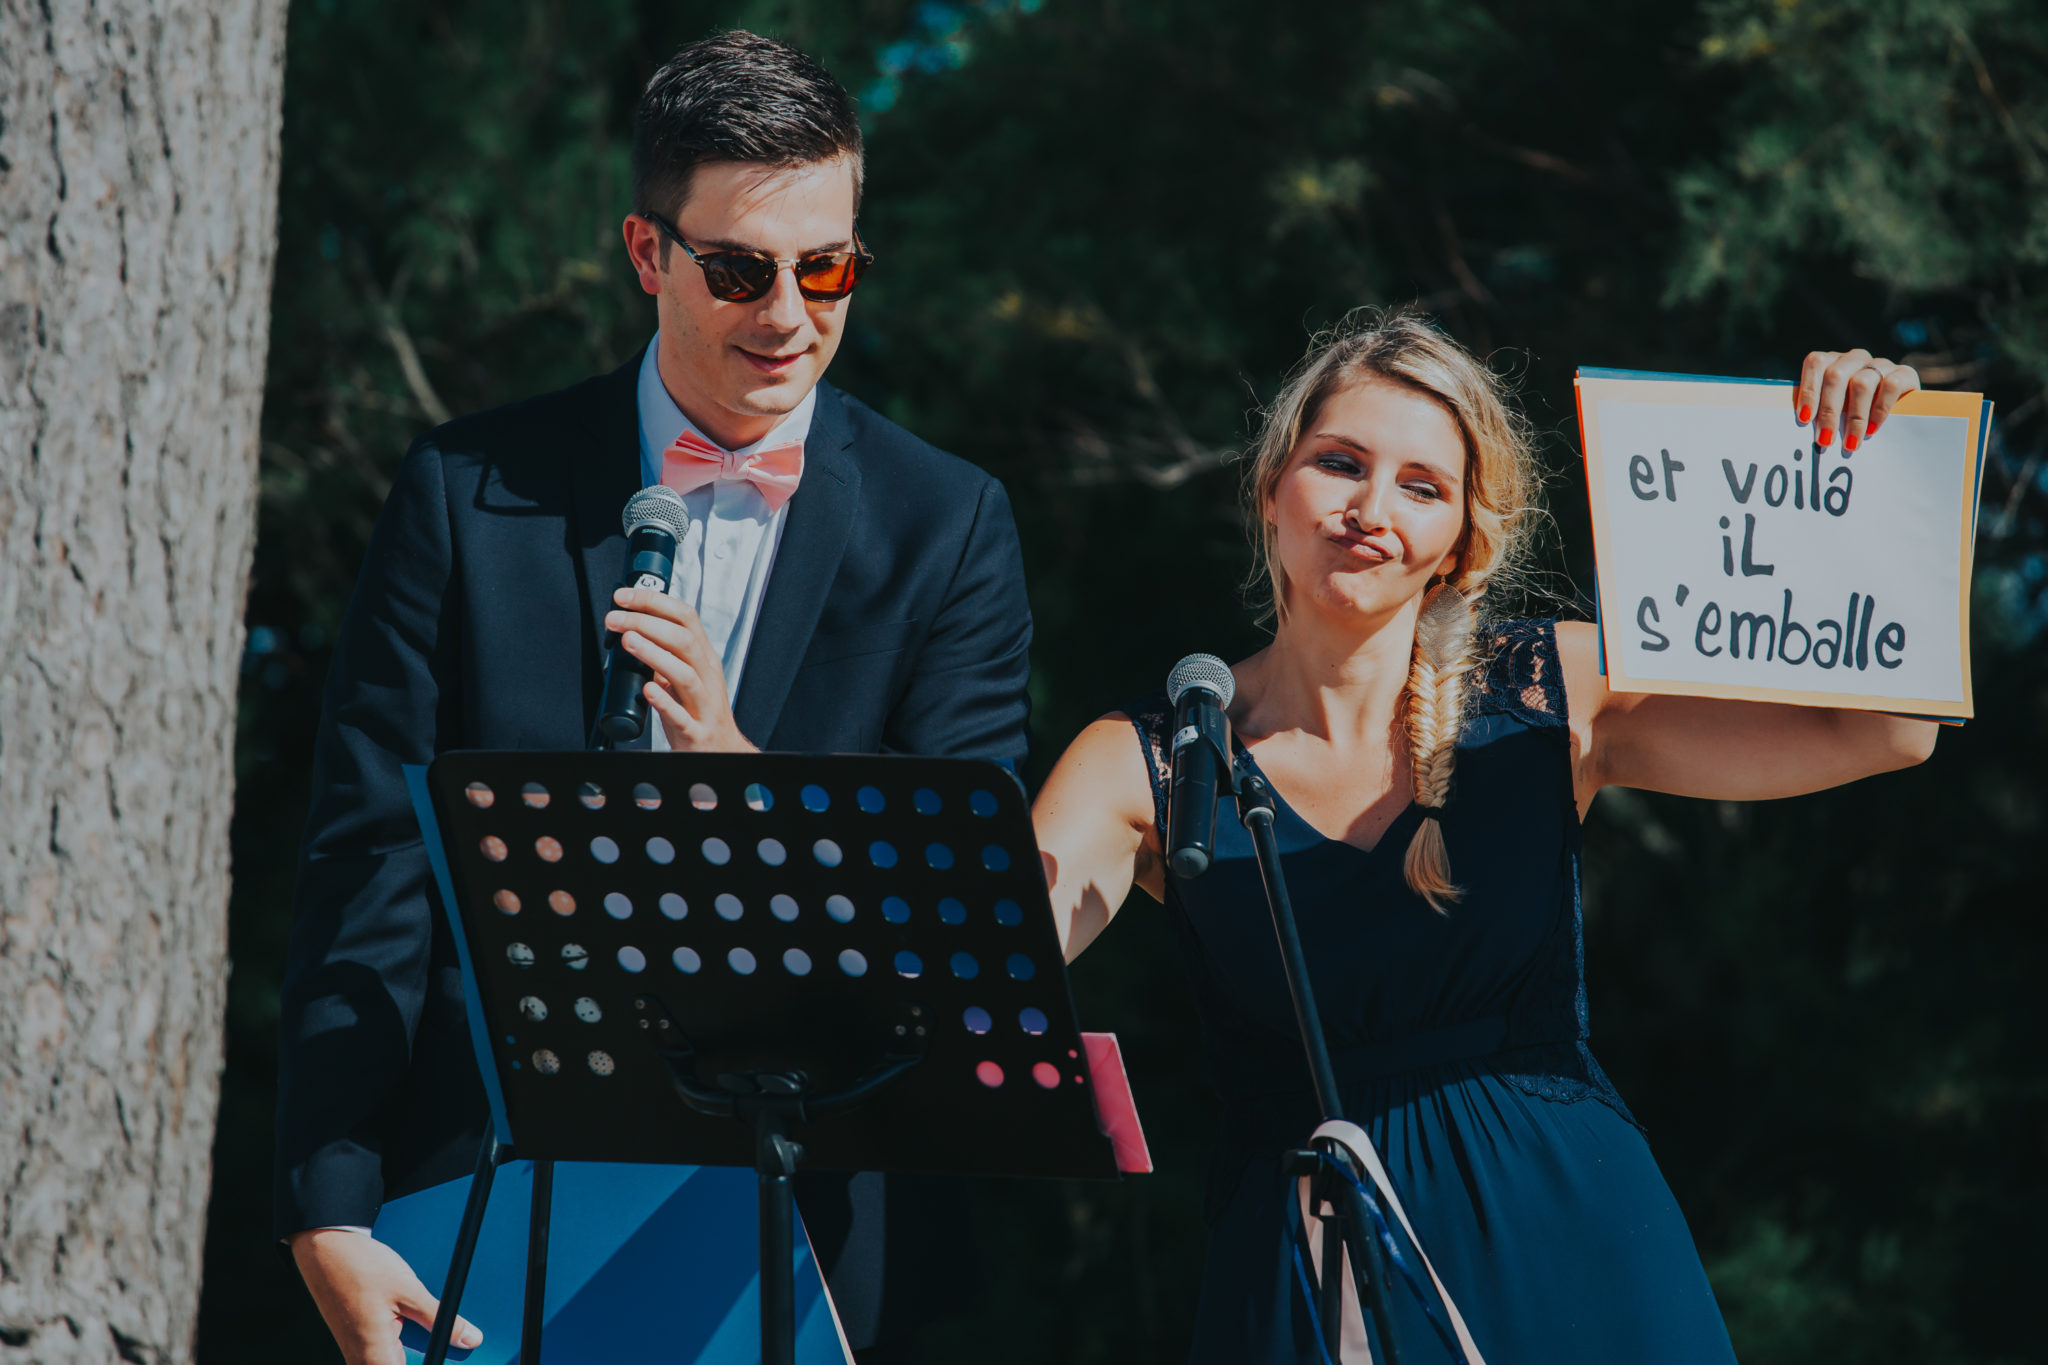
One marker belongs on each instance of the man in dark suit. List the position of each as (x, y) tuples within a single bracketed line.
[(844, 587)]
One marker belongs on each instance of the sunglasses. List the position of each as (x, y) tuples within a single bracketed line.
[(743, 276)]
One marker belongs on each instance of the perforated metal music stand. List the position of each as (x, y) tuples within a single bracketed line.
[(755, 960)]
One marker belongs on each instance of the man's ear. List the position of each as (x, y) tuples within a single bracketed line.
[(643, 249)]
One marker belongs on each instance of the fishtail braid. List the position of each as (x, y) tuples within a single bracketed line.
[(1446, 648)]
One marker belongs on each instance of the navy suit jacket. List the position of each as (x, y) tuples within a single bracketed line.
[(895, 620)]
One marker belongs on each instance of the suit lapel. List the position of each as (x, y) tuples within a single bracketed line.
[(806, 562), (604, 478)]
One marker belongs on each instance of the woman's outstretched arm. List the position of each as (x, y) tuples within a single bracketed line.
[(1096, 831), (1722, 750)]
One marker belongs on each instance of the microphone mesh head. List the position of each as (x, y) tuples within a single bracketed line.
[(659, 506), (1205, 671)]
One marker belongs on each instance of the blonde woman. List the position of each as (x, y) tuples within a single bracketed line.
[(1432, 766)]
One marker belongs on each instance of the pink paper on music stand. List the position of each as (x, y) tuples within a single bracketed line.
[(1115, 1110)]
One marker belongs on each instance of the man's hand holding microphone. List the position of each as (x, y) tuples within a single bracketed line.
[(687, 691), (658, 655)]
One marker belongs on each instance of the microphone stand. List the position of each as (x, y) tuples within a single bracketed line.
[(1332, 1168)]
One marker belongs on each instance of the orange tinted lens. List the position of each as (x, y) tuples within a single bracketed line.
[(829, 274)]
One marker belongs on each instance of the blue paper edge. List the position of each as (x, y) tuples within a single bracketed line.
[(1594, 372), (1983, 449), (1599, 633), (472, 997)]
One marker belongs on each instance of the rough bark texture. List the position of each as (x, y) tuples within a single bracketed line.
[(138, 191)]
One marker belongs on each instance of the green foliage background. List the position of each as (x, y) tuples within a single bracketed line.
[(1106, 228)]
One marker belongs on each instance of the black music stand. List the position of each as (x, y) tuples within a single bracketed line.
[(757, 960)]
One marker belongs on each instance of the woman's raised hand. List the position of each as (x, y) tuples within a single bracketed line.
[(1850, 392)]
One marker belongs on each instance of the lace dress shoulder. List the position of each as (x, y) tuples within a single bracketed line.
[(1520, 675), (1152, 715)]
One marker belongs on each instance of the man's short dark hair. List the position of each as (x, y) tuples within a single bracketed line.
[(736, 97)]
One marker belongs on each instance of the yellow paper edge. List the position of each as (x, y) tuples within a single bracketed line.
[(1969, 406)]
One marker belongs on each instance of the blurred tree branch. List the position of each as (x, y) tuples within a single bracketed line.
[(384, 306)]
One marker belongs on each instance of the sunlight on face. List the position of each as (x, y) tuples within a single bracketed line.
[(736, 368), (1371, 504)]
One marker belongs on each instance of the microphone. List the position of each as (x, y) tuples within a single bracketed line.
[(1200, 688), (656, 522)]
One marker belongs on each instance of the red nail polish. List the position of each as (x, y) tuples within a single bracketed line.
[(1849, 440), (1827, 435), (1805, 413)]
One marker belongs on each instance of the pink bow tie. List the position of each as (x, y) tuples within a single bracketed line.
[(692, 462)]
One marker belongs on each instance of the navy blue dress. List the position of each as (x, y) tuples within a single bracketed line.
[(1460, 1045)]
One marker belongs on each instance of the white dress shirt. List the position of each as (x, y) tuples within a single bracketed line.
[(723, 563)]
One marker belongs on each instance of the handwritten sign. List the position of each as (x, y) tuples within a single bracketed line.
[(1738, 558)]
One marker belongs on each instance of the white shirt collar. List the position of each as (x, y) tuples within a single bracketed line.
[(661, 421)]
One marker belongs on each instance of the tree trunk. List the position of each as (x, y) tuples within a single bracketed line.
[(138, 193)]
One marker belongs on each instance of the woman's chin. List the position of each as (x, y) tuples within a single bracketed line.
[(1366, 611)]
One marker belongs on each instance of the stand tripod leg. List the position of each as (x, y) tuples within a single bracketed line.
[(487, 1159), (775, 1162), (1369, 1266), (1330, 1284), (539, 1216), (778, 1292)]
